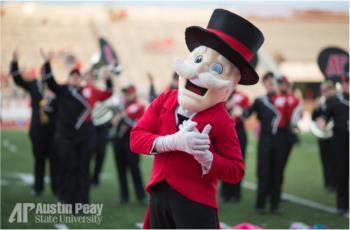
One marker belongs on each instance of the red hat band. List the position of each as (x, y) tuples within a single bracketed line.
[(234, 43)]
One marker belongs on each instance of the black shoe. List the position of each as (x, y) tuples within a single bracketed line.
[(94, 182), (36, 193), (260, 211), (330, 189), (342, 211), (277, 211)]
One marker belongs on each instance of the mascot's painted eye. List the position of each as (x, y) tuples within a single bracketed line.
[(216, 68), (198, 59)]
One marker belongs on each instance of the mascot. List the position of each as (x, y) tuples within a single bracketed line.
[(189, 131)]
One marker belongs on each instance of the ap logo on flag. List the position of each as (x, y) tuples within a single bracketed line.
[(19, 213)]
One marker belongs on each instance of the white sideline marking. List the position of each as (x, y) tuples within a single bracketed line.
[(8, 146), (26, 178), (296, 199), (223, 225), (61, 226), (139, 225), (12, 148), (19, 179)]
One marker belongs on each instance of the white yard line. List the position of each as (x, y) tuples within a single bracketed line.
[(19, 179), (139, 225), (223, 225), (61, 226), (12, 148), (296, 199), (8, 146)]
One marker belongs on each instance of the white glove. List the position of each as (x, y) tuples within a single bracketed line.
[(237, 111), (187, 139), (204, 158)]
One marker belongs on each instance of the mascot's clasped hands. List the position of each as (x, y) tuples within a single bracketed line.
[(188, 139)]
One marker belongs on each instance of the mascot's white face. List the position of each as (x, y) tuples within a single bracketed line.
[(205, 79)]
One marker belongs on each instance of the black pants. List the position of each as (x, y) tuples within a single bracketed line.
[(41, 140), (341, 145), (101, 143), (229, 190), (74, 154), (292, 139), (272, 157), (327, 155), (125, 160), (170, 209)]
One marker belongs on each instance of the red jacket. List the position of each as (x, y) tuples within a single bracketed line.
[(135, 110), (238, 99), (92, 95), (179, 169)]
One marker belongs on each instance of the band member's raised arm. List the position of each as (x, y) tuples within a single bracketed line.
[(49, 78), (17, 77), (16, 74)]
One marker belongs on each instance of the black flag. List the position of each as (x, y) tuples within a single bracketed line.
[(334, 63), (108, 57)]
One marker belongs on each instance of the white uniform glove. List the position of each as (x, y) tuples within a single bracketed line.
[(187, 139), (204, 158), (237, 111)]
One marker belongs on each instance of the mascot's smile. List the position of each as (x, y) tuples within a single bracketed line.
[(195, 89)]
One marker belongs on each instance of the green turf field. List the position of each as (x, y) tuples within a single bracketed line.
[(303, 179)]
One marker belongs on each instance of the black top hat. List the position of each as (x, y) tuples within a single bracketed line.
[(232, 36)]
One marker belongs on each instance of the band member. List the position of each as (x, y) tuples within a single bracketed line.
[(102, 115), (327, 153), (237, 105), (42, 125), (189, 131), (75, 134), (295, 111), (125, 159), (272, 111), (337, 108)]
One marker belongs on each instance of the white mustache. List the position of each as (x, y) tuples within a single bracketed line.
[(204, 79), (184, 70)]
